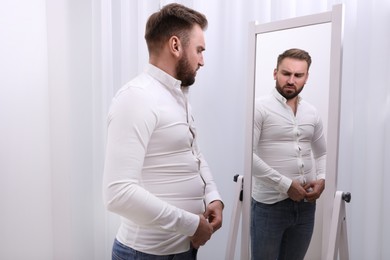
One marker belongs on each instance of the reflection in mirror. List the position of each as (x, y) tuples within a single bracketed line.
[(315, 39), (320, 36)]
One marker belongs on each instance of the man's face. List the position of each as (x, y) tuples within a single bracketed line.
[(192, 57), (291, 77)]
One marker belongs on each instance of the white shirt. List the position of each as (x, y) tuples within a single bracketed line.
[(284, 147), (155, 176)]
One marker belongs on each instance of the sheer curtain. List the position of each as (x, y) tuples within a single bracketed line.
[(63, 60), (364, 134)]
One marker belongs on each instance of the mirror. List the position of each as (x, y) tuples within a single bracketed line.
[(321, 36)]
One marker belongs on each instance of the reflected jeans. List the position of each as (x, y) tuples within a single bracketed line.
[(282, 230), (122, 252)]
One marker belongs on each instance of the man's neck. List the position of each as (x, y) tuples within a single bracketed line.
[(293, 103)]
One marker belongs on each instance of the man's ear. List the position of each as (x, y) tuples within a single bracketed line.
[(175, 46)]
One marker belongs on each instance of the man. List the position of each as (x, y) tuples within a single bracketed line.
[(288, 134), (155, 176)]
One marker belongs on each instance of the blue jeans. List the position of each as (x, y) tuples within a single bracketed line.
[(122, 252), (282, 230)]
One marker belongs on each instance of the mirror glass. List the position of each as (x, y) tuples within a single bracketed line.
[(315, 39), (320, 36)]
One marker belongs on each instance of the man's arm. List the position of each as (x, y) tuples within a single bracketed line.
[(261, 170), (127, 139), (318, 145), (213, 200)]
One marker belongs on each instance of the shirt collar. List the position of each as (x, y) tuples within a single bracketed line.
[(165, 79), (282, 99)]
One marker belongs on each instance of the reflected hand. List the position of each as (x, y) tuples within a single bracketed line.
[(296, 192), (316, 188)]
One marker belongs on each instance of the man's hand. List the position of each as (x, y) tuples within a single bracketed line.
[(296, 192), (214, 214), (202, 233), (315, 190)]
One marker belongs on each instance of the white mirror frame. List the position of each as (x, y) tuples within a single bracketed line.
[(335, 17)]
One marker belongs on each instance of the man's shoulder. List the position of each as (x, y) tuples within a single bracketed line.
[(139, 84), (307, 105), (265, 102)]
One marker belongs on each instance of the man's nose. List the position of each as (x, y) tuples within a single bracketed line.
[(291, 79), (201, 62)]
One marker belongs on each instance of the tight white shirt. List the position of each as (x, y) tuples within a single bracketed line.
[(285, 146), (155, 176)]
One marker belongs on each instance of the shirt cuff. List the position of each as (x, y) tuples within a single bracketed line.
[(188, 224), (211, 196), (284, 184), (321, 177)]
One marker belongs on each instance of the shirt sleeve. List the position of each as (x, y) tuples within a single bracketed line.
[(319, 149), (131, 122), (211, 190), (262, 170)]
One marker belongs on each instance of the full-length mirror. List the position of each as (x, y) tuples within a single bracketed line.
[(319, 35)]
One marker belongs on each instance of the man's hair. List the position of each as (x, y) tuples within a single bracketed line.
[(172, 20), (295, 54)]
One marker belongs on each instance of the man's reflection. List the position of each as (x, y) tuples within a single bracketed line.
[(288, 134)]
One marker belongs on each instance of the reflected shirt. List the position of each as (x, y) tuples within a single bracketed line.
[(286, 147), (155, 176)]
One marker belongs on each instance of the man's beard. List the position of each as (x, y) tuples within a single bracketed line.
[(288, 93), (184, 72)]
